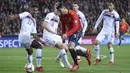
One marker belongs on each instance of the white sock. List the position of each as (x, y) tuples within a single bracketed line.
[(59, 56), (64, 56), (38, 57), (111, 54), (78, 57), (97, 49), (81, 48), (30, 59)]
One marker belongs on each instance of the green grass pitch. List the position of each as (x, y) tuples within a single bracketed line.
[(13, 60)]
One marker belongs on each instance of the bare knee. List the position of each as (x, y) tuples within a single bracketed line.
[(96, 42), (60, 45), (109, 44), (71, 45)]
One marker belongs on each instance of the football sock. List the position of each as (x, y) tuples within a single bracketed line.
[(59, 56), (64, 56), (30, 58), (80, 53), (38, 57), (111, 54), (81, 48), (119, 42), (74, 56), (97, 49), (78, 57)]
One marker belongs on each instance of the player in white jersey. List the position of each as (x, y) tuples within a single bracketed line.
[(50, 26), (84, 24), (110, 19), (28, 29)]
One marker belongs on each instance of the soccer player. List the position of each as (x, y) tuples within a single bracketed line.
[(124, 27), (50, 36), (28, 37), (71, 29), (110, 19), (84, 24)]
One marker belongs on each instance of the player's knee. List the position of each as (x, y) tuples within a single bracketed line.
[(109, 44), (29, 51), (96, 42), (71, 46), (36, 44)]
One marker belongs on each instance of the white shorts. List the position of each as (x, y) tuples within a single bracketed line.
[(25, 40), (52, 39), (109, 36)]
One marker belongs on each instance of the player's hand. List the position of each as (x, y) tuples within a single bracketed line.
[(94, 30), (117, 35), (64, 36)]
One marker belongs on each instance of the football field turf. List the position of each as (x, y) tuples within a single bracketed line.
[(12, 60)]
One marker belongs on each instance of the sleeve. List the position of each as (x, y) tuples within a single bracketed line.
[(99, 19), (117, 21), (75, 24), (85, 24), (23, 15), (48, 17)]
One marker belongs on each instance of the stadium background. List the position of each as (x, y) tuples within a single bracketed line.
[(91, 8), (12, 60)]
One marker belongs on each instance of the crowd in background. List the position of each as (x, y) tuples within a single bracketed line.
[(91, 9)]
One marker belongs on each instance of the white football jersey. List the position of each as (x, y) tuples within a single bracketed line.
[(110, 19), (83, 20), (28, 24), (53, 22)]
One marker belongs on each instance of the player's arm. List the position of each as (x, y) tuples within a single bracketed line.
[(84, 21), (98, 21), (17, 16), (117, 22), (128, 28), (45, 24), (75, 25)]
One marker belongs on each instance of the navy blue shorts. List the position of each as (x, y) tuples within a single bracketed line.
[(75, 37), (122, 34)]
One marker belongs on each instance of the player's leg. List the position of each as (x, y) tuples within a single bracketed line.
[(111, 53), (30, 43), (73, 55), (63, 48), (84, 52), (110, 40), (29, 55), (26, 40), (121, 37), (57, 42), (38, 46), (73, 42), (99, 38)]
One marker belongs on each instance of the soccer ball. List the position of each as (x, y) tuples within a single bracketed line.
[(29, 68)]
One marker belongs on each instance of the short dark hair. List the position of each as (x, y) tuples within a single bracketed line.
[(60, 5)]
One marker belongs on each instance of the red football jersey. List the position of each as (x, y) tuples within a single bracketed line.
[(123, 26), (70, 23)]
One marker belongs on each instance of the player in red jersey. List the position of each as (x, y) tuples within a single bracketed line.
[(123, 29), (71, 29)]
